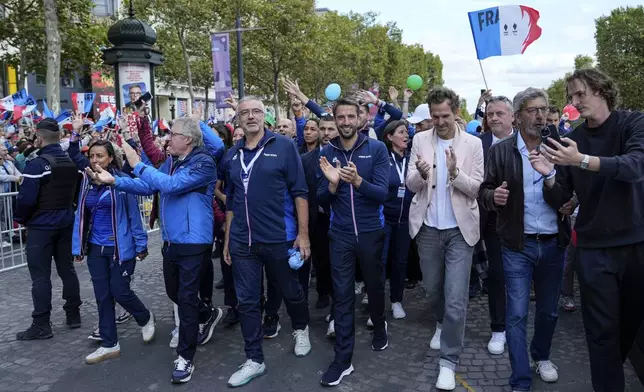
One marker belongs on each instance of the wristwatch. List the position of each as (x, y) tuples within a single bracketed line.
[(585, 162)]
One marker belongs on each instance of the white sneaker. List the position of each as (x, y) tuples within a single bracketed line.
[(328, 318), (397, 309), (103, 353), (369, 323), (149, 329), (359, 286), (174, 340), (302, 342), (548, 371), (365, 300), (435, 344), (247, 371), (6, 244), (446, 380), (330, 332), (496, 345)]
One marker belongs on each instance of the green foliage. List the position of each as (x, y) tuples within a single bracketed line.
[(464, 114), (620, 52), (23, 41), (557, 90)]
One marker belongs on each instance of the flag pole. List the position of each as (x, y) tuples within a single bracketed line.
[(483, 73)]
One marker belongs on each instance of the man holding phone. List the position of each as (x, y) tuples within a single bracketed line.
[(533, 235)]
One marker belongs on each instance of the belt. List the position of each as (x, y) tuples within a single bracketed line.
[(541, 237)]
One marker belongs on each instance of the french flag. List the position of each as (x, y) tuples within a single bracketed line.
[(504, 31), (83, 102), (65, 119), (24, 107), (46, 111)]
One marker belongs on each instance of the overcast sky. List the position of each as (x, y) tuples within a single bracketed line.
[(442, 26)]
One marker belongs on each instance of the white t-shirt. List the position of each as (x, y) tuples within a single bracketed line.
[(440, 213)]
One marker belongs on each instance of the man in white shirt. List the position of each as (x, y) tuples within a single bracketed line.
[(445, 172)]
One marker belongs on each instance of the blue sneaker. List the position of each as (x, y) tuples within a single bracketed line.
[(182, 372), (336, 372)]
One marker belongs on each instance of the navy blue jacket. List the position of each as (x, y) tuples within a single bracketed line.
[(267, 214), (310, 163), (36, 173), (357, 210), (396, 208)]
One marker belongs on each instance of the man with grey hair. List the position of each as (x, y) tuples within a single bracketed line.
[(499, 116), (533, 235), (185, 182)]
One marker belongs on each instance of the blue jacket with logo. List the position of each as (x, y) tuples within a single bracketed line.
[(186, 189), (357, 210), (130, 238), (37, 172), (266, 214), (396, 208)]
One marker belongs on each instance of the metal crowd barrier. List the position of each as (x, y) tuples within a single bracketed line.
[(13, 236)]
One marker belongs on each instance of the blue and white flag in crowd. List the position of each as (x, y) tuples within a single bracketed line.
[(83, 102), (106, 118), (65, 118), (46, 111), (504, 31)]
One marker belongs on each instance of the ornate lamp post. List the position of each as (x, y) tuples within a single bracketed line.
[(133, 59), (172, 99)]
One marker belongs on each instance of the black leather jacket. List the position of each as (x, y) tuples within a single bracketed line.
[(504, 163)]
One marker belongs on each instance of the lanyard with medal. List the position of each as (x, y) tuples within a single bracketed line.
[(401, 175)]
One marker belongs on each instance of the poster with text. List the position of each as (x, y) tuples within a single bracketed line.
[(134, 81), (103, 87)]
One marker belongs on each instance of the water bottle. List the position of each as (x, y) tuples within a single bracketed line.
[(295, 259)]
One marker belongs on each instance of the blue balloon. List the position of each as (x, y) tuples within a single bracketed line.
[(472, 127), (333, 91)]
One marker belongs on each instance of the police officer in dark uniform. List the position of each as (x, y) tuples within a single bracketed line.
[(44, 206)]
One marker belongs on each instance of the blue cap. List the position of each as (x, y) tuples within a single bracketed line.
[(473, 127)]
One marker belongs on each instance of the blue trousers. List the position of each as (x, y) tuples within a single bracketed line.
[(111, 282), (247, 272), (396, 238), (346, 250), (541, 261)]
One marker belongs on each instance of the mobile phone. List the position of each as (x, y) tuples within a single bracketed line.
[(145, 98), (483, 91), (550, 131)]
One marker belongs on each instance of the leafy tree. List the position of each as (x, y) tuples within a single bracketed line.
[(464, 114), (23, 37), (620, 52), (557, 89), (583, 61)]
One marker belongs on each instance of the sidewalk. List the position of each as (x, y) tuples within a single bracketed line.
[(408, 365)]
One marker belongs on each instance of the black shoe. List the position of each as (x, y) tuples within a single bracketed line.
[(271, 327), (74, 320), (334, 374), (323, 302), (36, 332), (231, 318), (220, 285), (410, 284), (205, 330), (380, 340)]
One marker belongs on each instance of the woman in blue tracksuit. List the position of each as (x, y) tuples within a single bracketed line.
[(396, 211), (108, 230)]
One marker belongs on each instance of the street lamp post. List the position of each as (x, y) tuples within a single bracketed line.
[(133, 58), (172, 102)]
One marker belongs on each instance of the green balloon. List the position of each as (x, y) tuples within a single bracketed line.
[(414, 82)]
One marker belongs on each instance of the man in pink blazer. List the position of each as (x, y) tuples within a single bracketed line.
[(445, 172)]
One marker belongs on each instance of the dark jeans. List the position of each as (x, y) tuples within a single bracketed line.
[(274, 293), (345, 249), (568, 288), (320, 251), (207, 278), (541, 261), (183, 266), (230, 299), (111, 281), (495, 280), (611, 283), (396, 237), (42, 245), (247, 271)]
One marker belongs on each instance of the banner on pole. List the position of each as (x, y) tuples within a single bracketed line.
[(221, 68)]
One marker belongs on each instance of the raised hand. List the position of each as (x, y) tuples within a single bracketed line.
[(423, 167), (540, 163), (501, 195), (407, 94), (100, 176), (332, 173), (77, 122), (450, 157), (393, 94), (232, 101)]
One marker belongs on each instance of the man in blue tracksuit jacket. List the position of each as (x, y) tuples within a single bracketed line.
[(266, 217), (186, 183), (44, 206), (354, 180)]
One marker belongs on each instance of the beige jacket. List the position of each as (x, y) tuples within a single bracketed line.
[(464, 189)]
